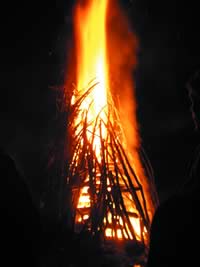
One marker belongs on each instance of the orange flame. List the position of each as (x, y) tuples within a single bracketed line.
[(105, 51), (90, 28)]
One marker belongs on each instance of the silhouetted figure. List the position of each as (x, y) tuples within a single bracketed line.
[(20, 221), (174, 238), (175, 233)]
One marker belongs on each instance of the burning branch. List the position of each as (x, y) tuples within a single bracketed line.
[(107, 196)]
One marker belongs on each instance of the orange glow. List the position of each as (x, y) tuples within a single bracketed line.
[(105, 52), (90, 28)]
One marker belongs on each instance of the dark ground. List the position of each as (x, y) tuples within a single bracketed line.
[(33, 57)]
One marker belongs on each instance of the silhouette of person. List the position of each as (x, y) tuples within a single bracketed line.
[(20, 221), (175, 225)]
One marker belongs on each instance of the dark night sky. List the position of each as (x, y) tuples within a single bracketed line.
[(32, 58)]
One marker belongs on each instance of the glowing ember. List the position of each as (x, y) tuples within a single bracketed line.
[(111, 187)]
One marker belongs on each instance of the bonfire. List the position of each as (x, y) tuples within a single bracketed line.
[(107, 176)]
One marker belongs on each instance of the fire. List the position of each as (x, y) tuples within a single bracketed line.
[(96, 63), (90, 29)]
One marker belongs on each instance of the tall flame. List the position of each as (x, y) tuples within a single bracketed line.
[(90, 28), (101, 56)]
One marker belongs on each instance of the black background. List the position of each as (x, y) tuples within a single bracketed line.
[(33, 55)]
